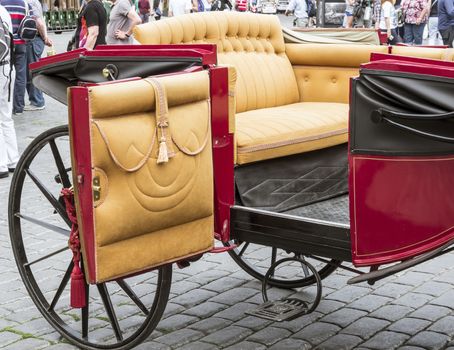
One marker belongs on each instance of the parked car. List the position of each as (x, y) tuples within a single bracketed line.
[(282, 5), (268, 7)]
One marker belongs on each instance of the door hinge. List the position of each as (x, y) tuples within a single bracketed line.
[(96, 188)]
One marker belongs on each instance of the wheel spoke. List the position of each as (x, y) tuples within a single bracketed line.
[(50, 197), (41, 223), (110, 310), (85, 312), (46, 256), (133, 296), (60, 166), (62, 286), (244, 248)]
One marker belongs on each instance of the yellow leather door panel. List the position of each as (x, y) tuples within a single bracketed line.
[(148, 213)]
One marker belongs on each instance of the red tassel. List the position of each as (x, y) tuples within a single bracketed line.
[(78, 300)]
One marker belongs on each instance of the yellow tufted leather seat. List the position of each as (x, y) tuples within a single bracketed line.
[(280, 109)]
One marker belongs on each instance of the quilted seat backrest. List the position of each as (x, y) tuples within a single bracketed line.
[(253, 43), (323, 71)]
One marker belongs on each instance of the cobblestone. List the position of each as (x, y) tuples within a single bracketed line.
[(409, 325), (291, 344), (340, 341), (445, 325), (210, 325), (343, 317), (386, 340), (410, 311), (29, 343), (228, 336), (247, 345), (430, 312), (179, 338), (8, 338), (175, 322), (365, 327), (317, 332), (429, 340), (392, 312), (269, 336)]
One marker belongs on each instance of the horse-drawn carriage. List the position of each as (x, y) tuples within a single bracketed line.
[(236, 134)]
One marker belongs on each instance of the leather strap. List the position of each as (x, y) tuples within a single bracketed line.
[(162, 122), (114, 158)]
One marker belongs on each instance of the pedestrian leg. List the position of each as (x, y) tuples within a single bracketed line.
[(408, 33), (20, 66), (9, 154), (35, 49), (418, 30)]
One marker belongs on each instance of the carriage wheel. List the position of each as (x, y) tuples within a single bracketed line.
[(257, 259), (119, 314)]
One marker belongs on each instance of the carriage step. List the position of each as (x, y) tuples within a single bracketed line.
[(281, 310)]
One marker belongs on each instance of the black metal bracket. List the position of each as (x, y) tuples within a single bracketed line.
[(287, 308), (379, 274)]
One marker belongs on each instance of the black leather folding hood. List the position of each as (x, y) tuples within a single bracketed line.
[(393, 113)]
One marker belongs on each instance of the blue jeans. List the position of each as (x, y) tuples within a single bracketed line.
[(35, 49), (20, 65), (413, 33)]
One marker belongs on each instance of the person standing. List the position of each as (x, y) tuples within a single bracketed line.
[(9, 154), (388, 21), (434, 35), (299, 9), (144, 10), (446, 21), (179, 7), (18, 9), (415, 20), (35, 50), (93, 25), (123, 18), (348, 19), (377, 13)]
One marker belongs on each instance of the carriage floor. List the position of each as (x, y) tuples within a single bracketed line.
[(334, 210)]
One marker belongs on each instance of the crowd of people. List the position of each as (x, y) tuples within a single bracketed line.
[(401, 20), (405, 20)]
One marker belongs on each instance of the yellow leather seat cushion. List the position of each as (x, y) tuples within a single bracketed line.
[(295, 128)]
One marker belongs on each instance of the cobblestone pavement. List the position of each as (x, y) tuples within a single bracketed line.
[(206, 310)]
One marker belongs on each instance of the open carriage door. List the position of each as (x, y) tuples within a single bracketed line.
[(142, 162), (401, 159)]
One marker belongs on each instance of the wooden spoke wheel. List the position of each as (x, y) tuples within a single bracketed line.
[(257, 259), (119, 314)]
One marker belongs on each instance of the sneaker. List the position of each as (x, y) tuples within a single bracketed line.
[(11, 170), (17, 113), (30, 108), (4, 174)]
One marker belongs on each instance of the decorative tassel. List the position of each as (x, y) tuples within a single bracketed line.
[(78, 299), (163, 156), (77, 292)]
